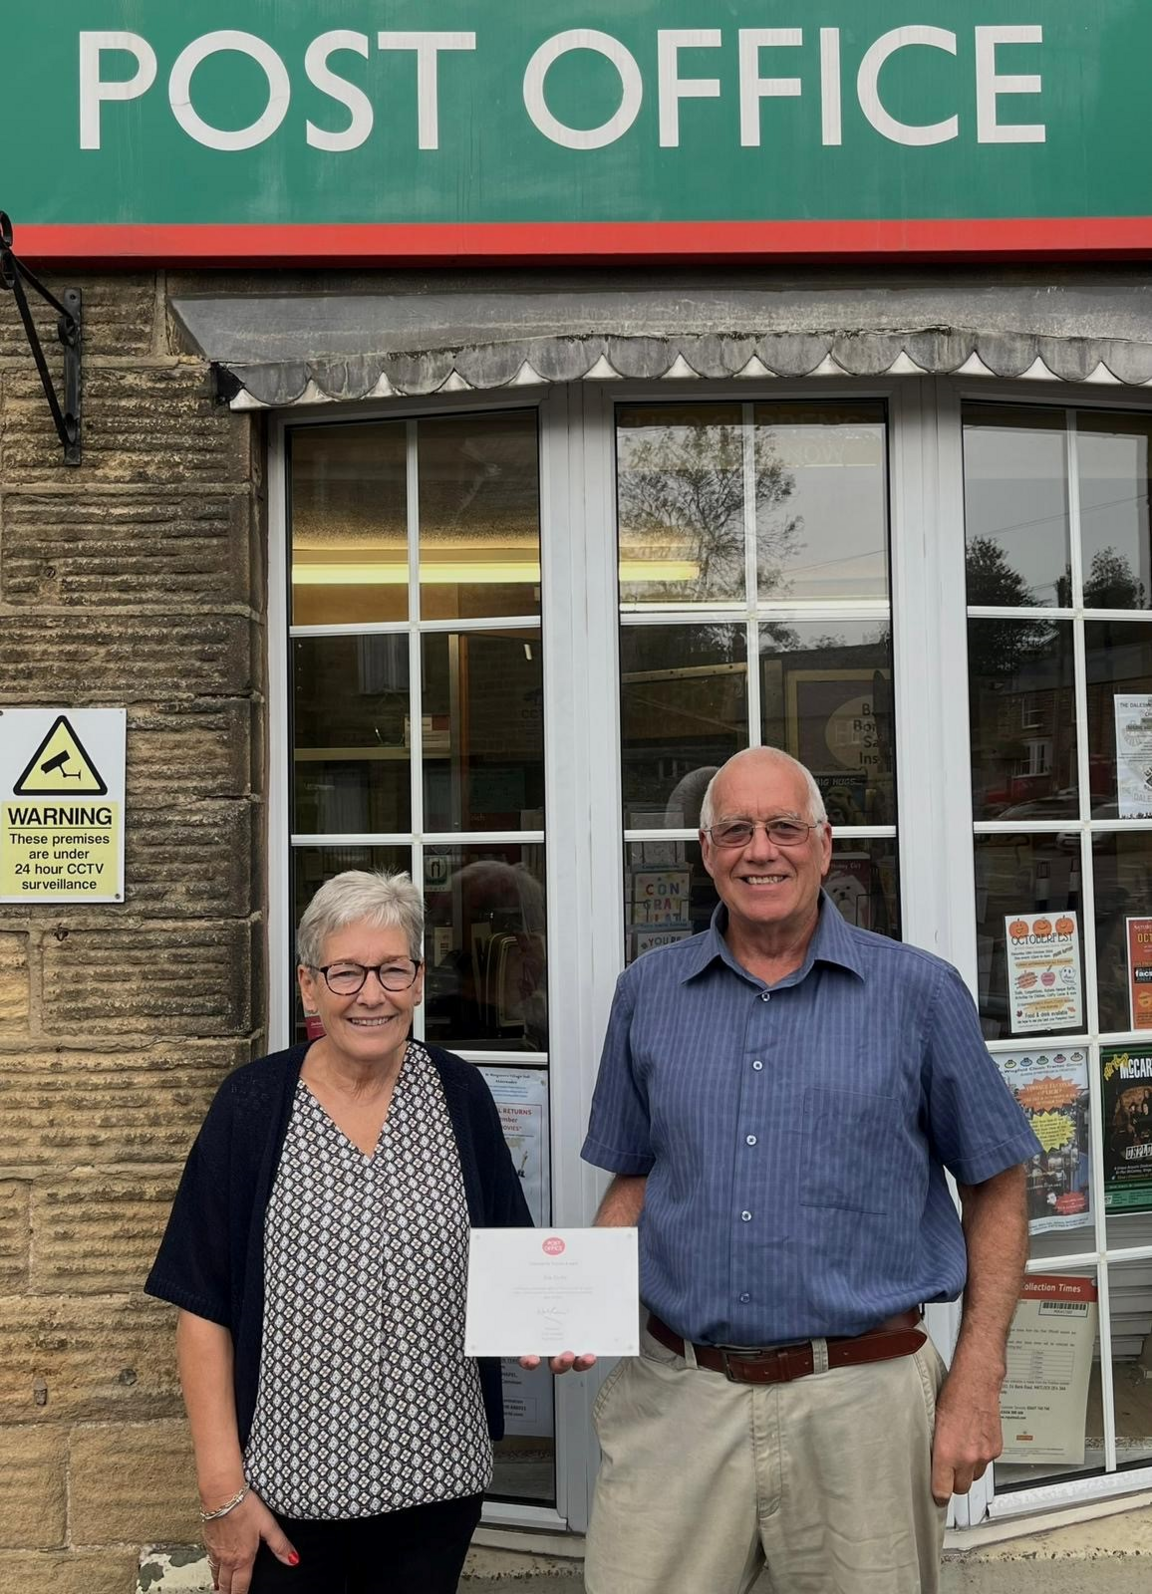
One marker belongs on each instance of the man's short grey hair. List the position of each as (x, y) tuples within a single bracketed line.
[(360, 896), (817, 814)]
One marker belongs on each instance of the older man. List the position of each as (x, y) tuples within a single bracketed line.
[(778, 1100)]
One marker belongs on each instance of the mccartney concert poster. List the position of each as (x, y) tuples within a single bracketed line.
[(1126, 1108)]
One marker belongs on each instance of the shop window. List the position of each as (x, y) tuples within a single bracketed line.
[(1059, 556), (753, 568), (416, 709)]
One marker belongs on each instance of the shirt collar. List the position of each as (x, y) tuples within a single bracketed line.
[(834, 942)]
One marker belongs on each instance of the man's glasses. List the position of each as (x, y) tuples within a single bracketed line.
[(345, 979), (781, 832)]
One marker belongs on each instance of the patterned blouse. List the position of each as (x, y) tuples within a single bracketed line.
[(366, 1401)]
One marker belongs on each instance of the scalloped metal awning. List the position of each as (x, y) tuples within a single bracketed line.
[(486, 333)]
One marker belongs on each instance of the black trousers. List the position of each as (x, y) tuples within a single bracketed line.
[(419, 1550)]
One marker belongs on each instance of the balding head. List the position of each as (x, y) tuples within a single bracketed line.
[(773, 761)]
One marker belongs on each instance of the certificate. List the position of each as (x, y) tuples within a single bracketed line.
[(538, 1292)]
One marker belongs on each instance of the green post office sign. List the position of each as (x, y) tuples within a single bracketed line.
[(393, 130)]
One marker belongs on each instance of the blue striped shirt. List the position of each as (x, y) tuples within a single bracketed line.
[(795, 1136)]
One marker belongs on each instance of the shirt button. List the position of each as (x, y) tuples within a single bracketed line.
[(745, 1217), (745, 1298), (765, 996), (757, 1065), (750, 1140)]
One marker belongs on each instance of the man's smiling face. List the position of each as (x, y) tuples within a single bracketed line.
[(765, 886)]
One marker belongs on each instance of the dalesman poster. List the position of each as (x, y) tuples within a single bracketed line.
[(1045, 1394), (1126, 1107), (1052, 1088)]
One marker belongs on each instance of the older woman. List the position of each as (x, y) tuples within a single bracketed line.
[(317, 1250)]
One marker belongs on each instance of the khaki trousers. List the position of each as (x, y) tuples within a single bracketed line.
[(826, 1480)]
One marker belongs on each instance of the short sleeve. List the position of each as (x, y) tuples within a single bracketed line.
[(619, 1133), (975, 1125), (192, 1265)]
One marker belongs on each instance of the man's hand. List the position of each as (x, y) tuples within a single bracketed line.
[(232, 1543), (566, 1362), (968, 1433), (967, 1436)]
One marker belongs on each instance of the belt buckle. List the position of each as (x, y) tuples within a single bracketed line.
[(744, 1353)]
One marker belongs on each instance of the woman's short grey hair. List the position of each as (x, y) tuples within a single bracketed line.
[(360, 896), (816, 812)]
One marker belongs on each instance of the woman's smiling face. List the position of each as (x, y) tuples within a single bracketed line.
[(372, 1026)]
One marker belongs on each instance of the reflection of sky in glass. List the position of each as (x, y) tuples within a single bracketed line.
[(836, 504), (1114, 512), (1015, 496)]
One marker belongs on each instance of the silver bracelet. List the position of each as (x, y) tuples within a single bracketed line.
[(230, 1505)]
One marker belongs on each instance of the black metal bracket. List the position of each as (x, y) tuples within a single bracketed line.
[(69, 329)]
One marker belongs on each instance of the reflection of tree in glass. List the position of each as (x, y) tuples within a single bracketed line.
[(1110, 583), (999, 648), (682, 493)]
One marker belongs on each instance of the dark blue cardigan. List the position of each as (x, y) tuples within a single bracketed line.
[(211, 1259)]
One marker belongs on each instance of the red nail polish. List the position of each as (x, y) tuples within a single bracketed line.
[(293, 1559)]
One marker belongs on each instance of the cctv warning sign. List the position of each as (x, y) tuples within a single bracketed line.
[(62, 805)]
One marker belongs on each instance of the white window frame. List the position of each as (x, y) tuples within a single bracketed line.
[(580, 622)]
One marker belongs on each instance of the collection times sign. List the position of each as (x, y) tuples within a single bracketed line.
[(400, 129)]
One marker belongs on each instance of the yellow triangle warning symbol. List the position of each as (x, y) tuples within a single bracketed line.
[(60, 765)]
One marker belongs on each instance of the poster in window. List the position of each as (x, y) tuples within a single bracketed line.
[(1051, 1088), (1133, 755), (1044, 985), (521, 1096), (840, 726), (1139, 938), (1045, 1397), (1126, 1109)]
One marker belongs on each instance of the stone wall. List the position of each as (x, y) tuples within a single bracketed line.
[(133, 581)]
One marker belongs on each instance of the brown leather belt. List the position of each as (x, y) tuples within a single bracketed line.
[(780, 1364)]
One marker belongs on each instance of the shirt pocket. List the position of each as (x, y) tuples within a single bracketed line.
[(850, 1140)]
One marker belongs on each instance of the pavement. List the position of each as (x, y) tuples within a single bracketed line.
[(1106, 1555)]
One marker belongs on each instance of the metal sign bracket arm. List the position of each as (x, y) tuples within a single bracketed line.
[(14, 274)]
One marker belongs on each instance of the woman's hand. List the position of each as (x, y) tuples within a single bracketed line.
[(232, 1543), (566, 1362)]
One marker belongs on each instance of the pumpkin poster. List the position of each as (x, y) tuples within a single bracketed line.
[(1045, 985)]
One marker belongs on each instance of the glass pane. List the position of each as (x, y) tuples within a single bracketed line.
[(1119, 665), (311, 866), (826, 697), (1017, 879), (1130, 1319), (1112, 451), (1122, 869), (348, 509), (1016, 506), (683, 712), (680, 483), (669, 895), (483, 731), (486, 984), (351, 735), (1051, 1408), (1022, 710), (821, 501), (479, 516)]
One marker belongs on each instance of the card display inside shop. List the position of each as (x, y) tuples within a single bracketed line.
[(1045, 989)]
